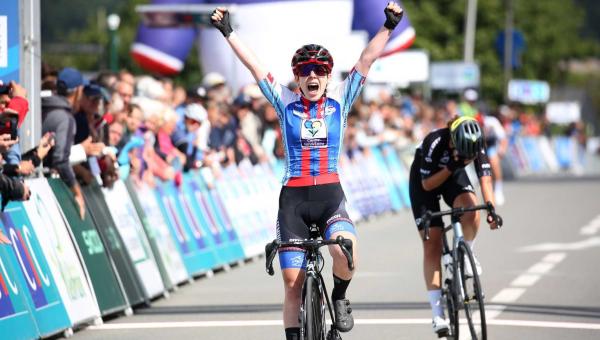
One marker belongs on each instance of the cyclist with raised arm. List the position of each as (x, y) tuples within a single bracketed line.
[(313, 122), (438, 170)]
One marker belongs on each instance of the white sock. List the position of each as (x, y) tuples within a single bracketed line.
[(435, 301), (498, 186)]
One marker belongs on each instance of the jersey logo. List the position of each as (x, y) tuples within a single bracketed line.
[(313, 133), (330, 109)]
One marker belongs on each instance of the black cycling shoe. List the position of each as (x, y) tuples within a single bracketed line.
[(334, 335), (344, 321)]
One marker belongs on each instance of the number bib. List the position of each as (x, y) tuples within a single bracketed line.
[(313, 133)]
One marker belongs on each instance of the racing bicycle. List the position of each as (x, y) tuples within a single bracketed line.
[(314, 293), (461, 287)]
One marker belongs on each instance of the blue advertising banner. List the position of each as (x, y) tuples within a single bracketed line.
[(14, 310), (46, 305), (196, 254), (9, 40), (214, 218)]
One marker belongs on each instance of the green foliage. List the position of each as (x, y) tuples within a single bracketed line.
[(551, 29)]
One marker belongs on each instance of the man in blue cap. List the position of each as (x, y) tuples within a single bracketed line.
[(57, 118)]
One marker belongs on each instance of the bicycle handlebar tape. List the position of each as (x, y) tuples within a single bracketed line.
[(391, 19), (270, 251), (224, 25)]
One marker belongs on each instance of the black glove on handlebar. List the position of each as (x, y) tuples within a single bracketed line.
[(391, 19), (223, 25)]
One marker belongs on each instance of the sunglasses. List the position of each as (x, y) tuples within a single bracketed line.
[(320, 70)]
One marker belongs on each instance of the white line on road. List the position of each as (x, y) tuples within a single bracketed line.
[(262, 323), (508, 295), (580, 245), (592, 227)]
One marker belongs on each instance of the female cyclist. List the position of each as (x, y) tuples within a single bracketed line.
[(313, 123), (438, 170)]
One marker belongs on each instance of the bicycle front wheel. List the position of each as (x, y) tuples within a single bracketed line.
[(471, 294), (314, 325)]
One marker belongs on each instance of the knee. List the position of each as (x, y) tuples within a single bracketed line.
[(470, 219)]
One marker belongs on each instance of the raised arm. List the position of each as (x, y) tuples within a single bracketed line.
[(393, 15), (220, 19)]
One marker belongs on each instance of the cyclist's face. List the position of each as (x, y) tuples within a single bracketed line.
[(313, 80)]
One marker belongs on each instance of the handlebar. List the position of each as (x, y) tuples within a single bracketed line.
[(309, 245), (457, 212)]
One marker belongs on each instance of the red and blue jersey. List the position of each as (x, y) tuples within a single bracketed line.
[(313, 132)]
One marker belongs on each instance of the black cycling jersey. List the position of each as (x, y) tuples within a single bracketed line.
[(434, 154)]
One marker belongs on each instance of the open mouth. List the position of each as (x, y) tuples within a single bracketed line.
[(313, 87)]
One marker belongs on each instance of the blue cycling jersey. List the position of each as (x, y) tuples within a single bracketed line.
[(312, 131)]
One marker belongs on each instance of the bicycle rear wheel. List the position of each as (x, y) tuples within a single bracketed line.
[(471, 294), (314, 320)]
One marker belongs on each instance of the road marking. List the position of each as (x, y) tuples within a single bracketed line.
[(366, 322), (592, 227), (525, 280), (579, 245), (508, 295)]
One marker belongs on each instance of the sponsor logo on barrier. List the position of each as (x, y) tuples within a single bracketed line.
[(6, 307), (212, 225), (195, 226), (28, 262), (172, 216), (92, 241)]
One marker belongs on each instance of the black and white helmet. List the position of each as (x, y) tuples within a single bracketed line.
[(466, 136)]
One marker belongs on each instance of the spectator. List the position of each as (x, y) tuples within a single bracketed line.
[(58, 113), (187, 140)]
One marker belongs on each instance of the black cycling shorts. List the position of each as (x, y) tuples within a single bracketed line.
[(300, 207), (422, 200)]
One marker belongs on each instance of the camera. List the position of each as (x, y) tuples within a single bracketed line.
[(9, 125), (5, 89)]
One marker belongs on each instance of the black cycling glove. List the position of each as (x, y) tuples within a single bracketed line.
[(224, 25), (392, 19), (455, 164)]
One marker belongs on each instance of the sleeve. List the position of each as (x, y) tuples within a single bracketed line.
[(427, 168), (32, 156), (77, 154), (482, 164), (347, 91), (10, 188), (62, 150), (278, 95)]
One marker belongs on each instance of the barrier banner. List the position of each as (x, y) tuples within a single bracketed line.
[(532, 152), (236, 201), (165, 251), (398, 172), (16, 320), (213, 219), (386, 172), (97, 208), (102, 275), (60, 252), (565, 151), (134, 238), (44, 299), (197, 257)]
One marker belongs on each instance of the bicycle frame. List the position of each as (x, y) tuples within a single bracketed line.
[(455, 288)]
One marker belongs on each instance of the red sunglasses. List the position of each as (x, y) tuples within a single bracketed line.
[(320, 70)]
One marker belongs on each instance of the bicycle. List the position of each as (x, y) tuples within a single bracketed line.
[(314, 293), (465, 292)]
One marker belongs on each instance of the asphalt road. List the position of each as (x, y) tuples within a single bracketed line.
[(540, 279)]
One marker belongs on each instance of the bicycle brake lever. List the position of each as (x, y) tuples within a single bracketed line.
[(346, 246), (270, 251)]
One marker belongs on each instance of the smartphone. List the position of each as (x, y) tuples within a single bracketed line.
[(9, 125)]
